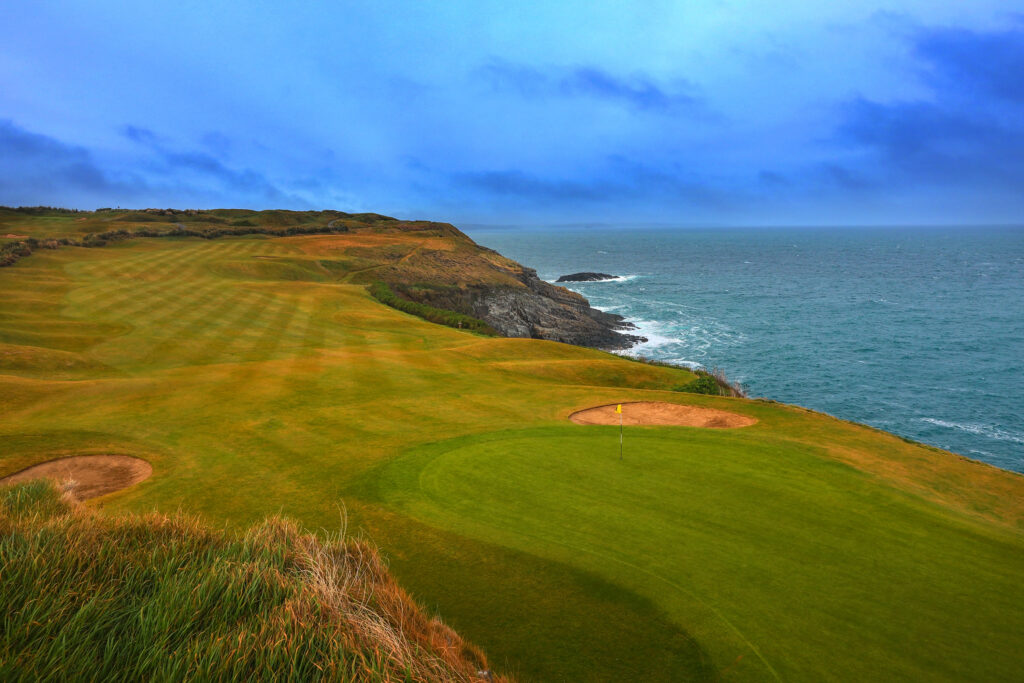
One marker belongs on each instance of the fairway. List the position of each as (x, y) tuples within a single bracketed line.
[(257, 376)]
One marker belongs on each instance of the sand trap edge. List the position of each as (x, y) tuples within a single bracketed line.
[(661, 414), (95, 475)]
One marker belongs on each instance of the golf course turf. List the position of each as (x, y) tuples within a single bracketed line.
[(258, 377)]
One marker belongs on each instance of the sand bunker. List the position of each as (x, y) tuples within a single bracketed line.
[(93, 475), (660, 413)]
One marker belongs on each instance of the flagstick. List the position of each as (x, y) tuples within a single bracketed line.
[(620, 434)]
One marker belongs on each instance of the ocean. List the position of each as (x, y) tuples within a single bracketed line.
[(918, 331)]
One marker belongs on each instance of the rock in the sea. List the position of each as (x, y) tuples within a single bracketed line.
[(585, 277)]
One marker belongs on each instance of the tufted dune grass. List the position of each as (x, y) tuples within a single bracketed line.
[(802, 547), (164, 598)]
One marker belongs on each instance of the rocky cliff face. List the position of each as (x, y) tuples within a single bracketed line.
[(438, 265), (543, 311)]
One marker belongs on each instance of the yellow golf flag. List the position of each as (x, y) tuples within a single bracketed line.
[(618, 408)]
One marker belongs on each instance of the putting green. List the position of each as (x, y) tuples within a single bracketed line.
[(767, 553)]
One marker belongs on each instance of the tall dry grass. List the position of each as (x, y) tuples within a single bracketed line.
[(163, 597)]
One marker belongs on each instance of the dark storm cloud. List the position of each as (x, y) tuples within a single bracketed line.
[(33, 165), (936, 142), (969, 131), (990, 65), (34, 168), (173, 162), (522, 185), (638, 90), (619, 179), (138, 134)]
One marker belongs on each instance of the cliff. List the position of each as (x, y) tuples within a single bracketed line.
[(460, 275), (544, 311)]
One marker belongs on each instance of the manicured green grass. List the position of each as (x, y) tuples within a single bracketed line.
[(257, 381), (771, 556)]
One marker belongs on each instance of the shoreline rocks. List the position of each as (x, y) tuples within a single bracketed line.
[(474, 280), (542, 310), (586, 277)]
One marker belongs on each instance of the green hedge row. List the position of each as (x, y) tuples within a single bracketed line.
[(383, 293)]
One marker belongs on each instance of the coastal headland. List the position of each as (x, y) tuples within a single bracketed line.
[(275, 362)]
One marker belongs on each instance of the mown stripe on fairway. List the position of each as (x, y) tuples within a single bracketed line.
[(293, 333), (200, 323), (125, 300), (156, 264), (171, 280), (307, 363), (168, 314), (164, 263), (181, 330), (266, 345), (171, 305), (117, 296), (162, 275), (252, 327), (229, 328), (153, 311)]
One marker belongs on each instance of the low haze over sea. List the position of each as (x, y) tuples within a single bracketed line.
[(918, 331)]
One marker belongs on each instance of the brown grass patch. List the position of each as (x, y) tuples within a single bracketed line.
[(92, 475), (659, 413), (187, 602), (323, 245)]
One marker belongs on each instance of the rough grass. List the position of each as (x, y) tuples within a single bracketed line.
[(252, 396), (165, 598)]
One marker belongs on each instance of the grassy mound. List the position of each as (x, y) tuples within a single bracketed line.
[(162, 597)]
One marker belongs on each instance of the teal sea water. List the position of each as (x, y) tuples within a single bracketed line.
[(918, 331)]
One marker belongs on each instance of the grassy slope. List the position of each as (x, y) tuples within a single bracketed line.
[(257, 381), (164, 598)]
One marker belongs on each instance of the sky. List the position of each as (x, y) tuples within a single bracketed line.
[(480, 112)]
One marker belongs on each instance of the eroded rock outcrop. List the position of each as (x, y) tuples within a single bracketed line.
[(544, 311), (438, 265)]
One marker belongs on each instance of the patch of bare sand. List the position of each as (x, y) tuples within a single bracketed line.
[(93, 475), (654, 413)]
